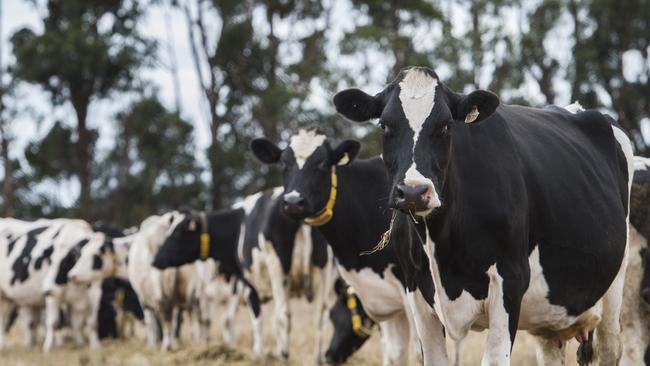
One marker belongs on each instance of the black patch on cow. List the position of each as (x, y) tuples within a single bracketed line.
[(45, 256), (253, 225), (68, 262), (319, 249), (21, 265), (97, 262), (280, 230), (639, 201), (12, 243)]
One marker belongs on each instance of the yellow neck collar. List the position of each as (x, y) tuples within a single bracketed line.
[(115, 261), (358, 326), (325, 215), (204, 242)]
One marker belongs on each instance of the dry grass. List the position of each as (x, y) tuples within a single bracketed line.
[(133, 352)]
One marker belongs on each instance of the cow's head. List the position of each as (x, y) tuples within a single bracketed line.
[(307, 167), (101, 259), (182, 240), (352, 326), (417, 114)]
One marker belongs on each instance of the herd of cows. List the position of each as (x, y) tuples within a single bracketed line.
[(478, 215)]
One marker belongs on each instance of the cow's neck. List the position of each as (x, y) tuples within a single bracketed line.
[(361, 214)]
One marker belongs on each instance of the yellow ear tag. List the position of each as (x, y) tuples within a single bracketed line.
[(204, 249), (119, 297), (472, 115)]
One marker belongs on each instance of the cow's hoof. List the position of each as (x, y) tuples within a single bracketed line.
[(285, 355)]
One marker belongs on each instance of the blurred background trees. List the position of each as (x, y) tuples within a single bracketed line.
[(266, 67)]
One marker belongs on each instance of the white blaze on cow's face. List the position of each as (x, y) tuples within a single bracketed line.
[(417, 92), (304, 143)]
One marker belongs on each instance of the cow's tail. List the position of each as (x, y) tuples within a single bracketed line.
[(585, 351)]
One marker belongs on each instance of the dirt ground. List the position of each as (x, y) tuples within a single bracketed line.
[(134, 352)]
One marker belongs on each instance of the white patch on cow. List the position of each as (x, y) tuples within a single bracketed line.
[(304, 143), (429, 330), (641, 163), (280, 295), (277, 191), (291, 194), (574, 107), (248, 203), (497, 350), (417, 95), (381, 297)]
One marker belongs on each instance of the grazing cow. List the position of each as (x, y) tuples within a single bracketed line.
[(34, 260), (106, 263), (346, 200), (264, 245), (635, 314), (522, 211), (162, 294), (119, 305), (352, 326)]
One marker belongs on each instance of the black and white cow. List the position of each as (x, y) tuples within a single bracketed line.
[(635, 314), (118, 300), (276, 256), (352, 326), (163, 294), (522, 211), (347, 200), (182, 246), (35, 258)]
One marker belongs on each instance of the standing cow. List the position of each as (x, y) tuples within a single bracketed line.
[(268, 254), (347, 201), (35, 258), (523, 211)]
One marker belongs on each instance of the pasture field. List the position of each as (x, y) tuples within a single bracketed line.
[(134, 352)]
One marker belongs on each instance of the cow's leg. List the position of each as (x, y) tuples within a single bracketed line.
[(30, 317), (169, 314), (280, 289), (231, 310), (503, 312), (395, 336), (94, 297), (77, 319), (325, 286), (429, 330), (608, 332), (151, 325), (51, 318), (255, 308), (550, 352), (6, 308)]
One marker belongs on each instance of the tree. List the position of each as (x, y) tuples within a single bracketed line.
[(88, 49), (152, 167)]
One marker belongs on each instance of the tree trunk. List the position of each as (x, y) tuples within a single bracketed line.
[(83, 160), (7, 184)]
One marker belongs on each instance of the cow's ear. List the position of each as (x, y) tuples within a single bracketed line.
[(477, 105), (345, 152), (357, 106), (265, 150), (340, 286)]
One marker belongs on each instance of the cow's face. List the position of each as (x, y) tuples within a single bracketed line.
[(307, 165), (96, 262), (345, 340), (418, 115), (182, 241)]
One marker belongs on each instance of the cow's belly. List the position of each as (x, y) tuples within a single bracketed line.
[(381, 297), (27, 293)]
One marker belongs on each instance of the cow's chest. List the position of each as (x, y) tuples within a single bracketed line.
[(382, 294)]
